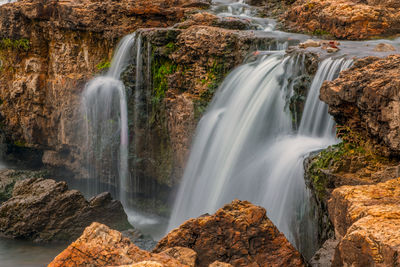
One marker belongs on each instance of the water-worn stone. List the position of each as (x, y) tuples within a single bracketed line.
[(102, 246), (367, 222), (366, 99), (239, 233), (344, 19), (45, 210)]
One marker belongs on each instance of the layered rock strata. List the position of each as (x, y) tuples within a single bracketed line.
[(365, 99), (367, 223)]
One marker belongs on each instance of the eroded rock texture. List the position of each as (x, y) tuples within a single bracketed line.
[(45, 210), (367, 223), (366, 98), (102, 246), (239, 234), (345, 19), (49, 50)]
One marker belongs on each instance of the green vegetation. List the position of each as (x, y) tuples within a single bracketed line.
[(19, 44), (105, 64), (162, 67), (320, 32), (353, 154)]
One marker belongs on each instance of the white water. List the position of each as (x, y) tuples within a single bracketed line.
[(245, 147), (2, 2), (106, 116), (239, 9)]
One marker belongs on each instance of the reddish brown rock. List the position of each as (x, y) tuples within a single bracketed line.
[(45, 210), (64, 44), (365, 99), (239, 233), (102, 246), (344, 19), (367, 222)]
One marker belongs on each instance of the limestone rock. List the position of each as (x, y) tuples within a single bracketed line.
[(45, 210), (344, 19), (239, 233), (102, 246), (366, 97), (367, 221)]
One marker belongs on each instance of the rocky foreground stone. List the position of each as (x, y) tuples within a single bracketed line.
[(366, 98), (367, 223), (345, 19), (45, 210), (101, 246), (239, 234)]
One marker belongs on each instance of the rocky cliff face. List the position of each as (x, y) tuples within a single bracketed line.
[(344, 19), (49, 50), (355, 181), (366, 220), (365, 98)]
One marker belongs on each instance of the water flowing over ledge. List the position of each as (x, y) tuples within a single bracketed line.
[(106, 115), (247, 147)]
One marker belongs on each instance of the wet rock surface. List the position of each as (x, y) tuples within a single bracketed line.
[(365, 98), (344, 19), (367, 220), (239, 234), (49, 50), (101, 246), (45, 210)]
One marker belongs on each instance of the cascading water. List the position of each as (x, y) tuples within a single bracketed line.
[(2, 2), (247, 148), (241, 10), (105, 108)]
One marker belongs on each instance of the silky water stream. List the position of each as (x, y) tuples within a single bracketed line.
[(246, 146)]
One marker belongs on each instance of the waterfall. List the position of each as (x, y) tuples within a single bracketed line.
[(106, 117), (246, 147)]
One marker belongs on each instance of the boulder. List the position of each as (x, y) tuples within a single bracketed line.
[(239, 234), (367, 222), (101, 246), (366, 99), (45, 210)]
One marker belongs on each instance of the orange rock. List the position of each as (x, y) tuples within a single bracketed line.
[(102, 246), (239, 233), (344, 19), (365, 98), (367, 222)]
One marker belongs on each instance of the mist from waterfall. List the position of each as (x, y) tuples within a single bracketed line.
[(104, 105), (246, 147)]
